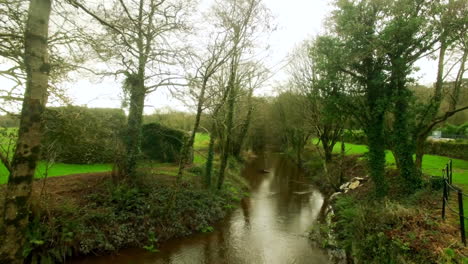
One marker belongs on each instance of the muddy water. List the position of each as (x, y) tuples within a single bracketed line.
[(269, 227)]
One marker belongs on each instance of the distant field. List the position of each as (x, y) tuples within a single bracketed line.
[(61, 169)]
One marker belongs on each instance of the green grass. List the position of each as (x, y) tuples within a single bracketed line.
[(60, 169), (432, 164), (202, 140)]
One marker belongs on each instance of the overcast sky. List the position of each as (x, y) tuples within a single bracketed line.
[(296, 20)]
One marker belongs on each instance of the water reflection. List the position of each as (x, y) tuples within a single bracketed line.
[(269, 227)]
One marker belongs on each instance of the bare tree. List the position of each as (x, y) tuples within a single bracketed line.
[(242, 20), (251, 77), (65, 53), (432, 114), (140, 40), (206, 65)]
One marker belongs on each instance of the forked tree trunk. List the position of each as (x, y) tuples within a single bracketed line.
[(15, 215)]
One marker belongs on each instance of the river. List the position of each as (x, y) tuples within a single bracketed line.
[(270, 226)]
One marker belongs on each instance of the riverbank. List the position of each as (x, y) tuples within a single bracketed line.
[(87, 214), (401, 228)]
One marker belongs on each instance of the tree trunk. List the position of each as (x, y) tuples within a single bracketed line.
[(187, 147), (377, 101), (210, 158), (18, 193), (229, 125), (342, 158), (420, 145), (433, 109), (375, 139), (134, 123), (404, 148), (244, 129), (327, 149)]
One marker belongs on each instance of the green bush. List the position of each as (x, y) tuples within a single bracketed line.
[(162, 143), (455, 131), (355, 137), (81, 135)]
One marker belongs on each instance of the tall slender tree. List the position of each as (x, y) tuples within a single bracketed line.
[(15, 215)]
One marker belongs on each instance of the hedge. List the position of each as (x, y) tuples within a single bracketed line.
[(80, 135), (452, 149), (162, 143)]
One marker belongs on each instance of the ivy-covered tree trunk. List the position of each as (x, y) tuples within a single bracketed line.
[(377, 98), (15, 217), (376, 155), (134, 123), (403, 147), (210, 158)]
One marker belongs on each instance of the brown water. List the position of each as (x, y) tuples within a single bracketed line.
[(269, 227)]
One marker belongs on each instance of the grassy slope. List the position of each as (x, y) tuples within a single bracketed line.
[(61, 169)]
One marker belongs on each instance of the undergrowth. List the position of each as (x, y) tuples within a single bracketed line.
[(114, 216), (396, 230)]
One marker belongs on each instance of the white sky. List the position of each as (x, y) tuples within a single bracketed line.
[(296, 20)]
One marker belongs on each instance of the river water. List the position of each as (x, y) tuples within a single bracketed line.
[(269, 227)]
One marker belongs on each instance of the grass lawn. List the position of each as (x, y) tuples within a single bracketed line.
[(432, 164), (60, 169)]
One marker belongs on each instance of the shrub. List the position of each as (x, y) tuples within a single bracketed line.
[(81, 135), (452, 131), (355, 137), (162, 143)]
